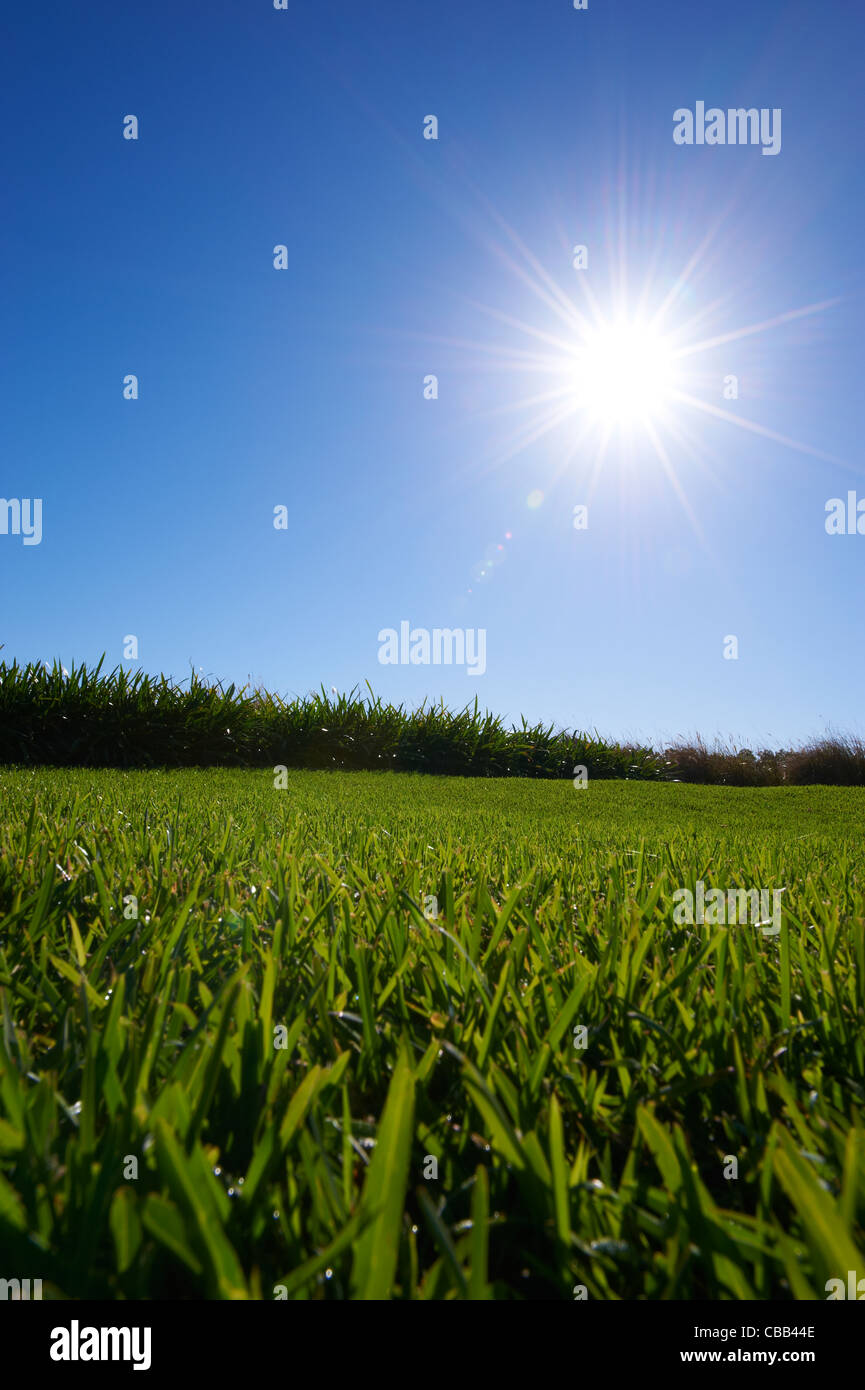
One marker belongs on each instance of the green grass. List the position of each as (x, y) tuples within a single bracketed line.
[(85, 717), (407, 1038), (127, 718)]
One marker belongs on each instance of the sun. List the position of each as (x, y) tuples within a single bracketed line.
[(624, 371), (623, 374)]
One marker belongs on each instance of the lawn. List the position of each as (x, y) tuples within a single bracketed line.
[(325, 1041)]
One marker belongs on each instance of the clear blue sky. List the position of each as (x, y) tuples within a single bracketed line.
[(409, 257)]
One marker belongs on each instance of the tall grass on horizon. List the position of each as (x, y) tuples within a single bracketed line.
[(123, 718), (131, 719)]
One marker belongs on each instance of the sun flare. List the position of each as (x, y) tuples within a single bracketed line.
[(623, 374), (633, 369)]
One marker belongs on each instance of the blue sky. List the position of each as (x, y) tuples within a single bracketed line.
[(408, 257)]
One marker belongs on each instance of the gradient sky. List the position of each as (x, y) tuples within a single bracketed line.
[(304, 387)]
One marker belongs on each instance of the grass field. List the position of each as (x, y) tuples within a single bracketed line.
[(297, 917)]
